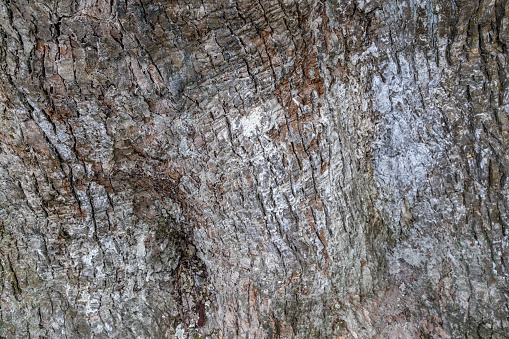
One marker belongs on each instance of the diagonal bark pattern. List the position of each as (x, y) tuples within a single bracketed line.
[(251, 169)]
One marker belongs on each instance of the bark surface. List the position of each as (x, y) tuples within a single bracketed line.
[(254, 169)]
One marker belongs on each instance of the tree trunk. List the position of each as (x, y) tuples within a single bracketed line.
[(254, 169)]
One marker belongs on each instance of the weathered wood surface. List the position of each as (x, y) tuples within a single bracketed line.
[(301, 168)]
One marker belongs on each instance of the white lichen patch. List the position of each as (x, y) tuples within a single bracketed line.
[(252, 123), (259, 120), (180, 333)]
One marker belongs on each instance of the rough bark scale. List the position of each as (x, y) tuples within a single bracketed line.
[(301, 168)]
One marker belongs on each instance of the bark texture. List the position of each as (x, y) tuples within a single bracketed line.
[(266, 169)]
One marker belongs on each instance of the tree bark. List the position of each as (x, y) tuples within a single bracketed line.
[(253, 169)]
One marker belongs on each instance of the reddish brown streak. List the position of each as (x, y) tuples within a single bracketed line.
[(201, 315)]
